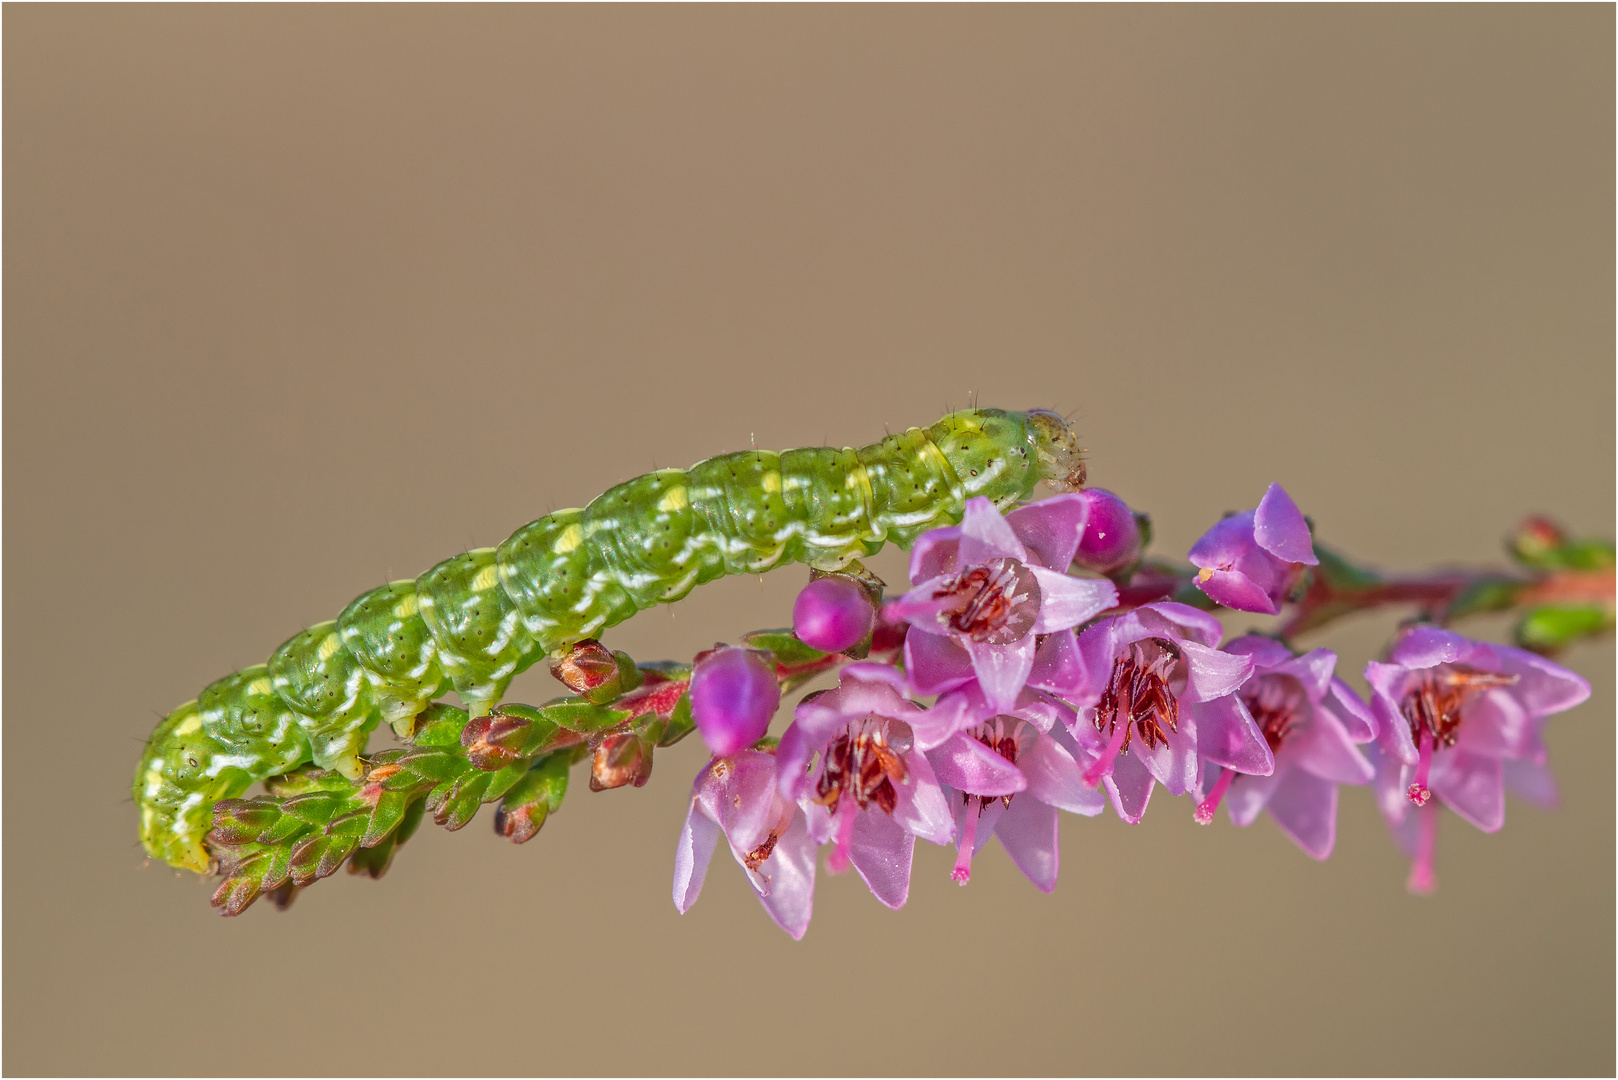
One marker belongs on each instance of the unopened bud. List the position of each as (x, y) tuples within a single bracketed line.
[(1111, 539), (620, 759), (494, 741), (588, 668), (832, 614), (734, 695)]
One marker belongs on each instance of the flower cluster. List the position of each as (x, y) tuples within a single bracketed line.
[(1044, 667)]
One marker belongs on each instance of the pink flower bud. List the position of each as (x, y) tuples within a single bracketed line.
[(1111, 539), (832, 614), (734, 695)]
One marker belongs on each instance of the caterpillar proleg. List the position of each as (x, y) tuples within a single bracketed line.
[(474, 621)]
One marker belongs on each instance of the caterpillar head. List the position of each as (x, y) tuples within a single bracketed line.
[(1060, 460)]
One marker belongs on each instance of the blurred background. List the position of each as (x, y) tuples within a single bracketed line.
[(302, 299)]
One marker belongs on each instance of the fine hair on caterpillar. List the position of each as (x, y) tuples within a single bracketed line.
[(473, 622)]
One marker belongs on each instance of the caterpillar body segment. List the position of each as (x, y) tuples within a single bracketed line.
[(473, 622)]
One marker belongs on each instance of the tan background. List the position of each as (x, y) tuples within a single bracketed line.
[(301, 299)]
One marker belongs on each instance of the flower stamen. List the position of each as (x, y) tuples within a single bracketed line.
[(995, 603), (1138, 701), (1433, 707)]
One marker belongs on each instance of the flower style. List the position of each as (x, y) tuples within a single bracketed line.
[(1134, 672), (871, 792), (984, 589), (1030, 740), (1250, 561), (1454, 715), (768, 835), (1312, 723)]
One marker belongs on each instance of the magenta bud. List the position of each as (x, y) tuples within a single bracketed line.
[(734, 694), (832, 614), (1111, 539)]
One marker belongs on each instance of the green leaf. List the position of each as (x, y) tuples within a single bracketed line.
[(1548, 629)]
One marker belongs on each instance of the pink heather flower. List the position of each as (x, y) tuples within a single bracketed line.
[(1250, 561), (1312, 723), (1455, 716), (738, 796), (849, 759), (734, 695), (1021, 810), (1160, 699), (986, 588), (1111, 539), (832, 614)]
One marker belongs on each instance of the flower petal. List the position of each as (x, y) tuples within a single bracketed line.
[(935, 664), (1052, 528), (698, 837), (934, 554), (1055, 778), (967, 765), (1313, 670), (1248, 795), (1267, 653), (1305, 806), (1532, 782), (790, 871), (1496, 725), (1002, 670), (1068, 601), (1355, 716), (1130, 786), (1059, 666), (1173, 763), (1212, 674), (952, 712), (881, 850), (1279, 528), (1472, 786), (1226, 543), (1029, 831), (1227, 735), (986, 535), (1542, 686), (922, 808), (1324, 749), (1235, 590), (1428, 646)]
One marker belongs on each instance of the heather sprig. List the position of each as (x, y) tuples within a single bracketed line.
[(1043, 660)]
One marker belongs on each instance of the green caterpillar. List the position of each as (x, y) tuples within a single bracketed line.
[(473, 622)]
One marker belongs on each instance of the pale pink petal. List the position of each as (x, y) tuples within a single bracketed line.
[(1130, 786), (954, 711), (1029, 831), (1173, 763), (1324, 749), (1227, 735), (935, 554), (1051, 528), (1055, 778), (1428, 646), (986, 535), (920, 606), (1472, 786), (967, 765), (746, 807), (1266, 652), (1042, 710), (1355, 716), (1058, 665), (935, 664), (881, 850), (1305, 806), (1246, 796), (922, 808), (698, 837), (1279, 528), (1068, 601), (1532, 782), (1496, 725), (793, 759), (1542, 686), (1002, 670), (1313, 670), (790, 874), (1212, 674), (1235, 590), (1393, 730)]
